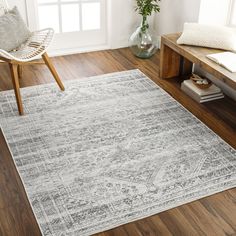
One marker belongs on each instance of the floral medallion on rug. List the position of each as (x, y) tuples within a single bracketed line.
[(109, 150)]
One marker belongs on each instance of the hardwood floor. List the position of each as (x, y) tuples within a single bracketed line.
[(214, 215)]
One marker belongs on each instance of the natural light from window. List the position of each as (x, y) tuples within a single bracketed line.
[(69, 15)]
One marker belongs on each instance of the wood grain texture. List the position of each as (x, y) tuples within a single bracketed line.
[(51, 67), (15, 81), (170, 62), (213, 216), (194, 54), (20, 72)]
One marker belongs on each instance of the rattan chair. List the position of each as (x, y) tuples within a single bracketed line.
[(34, 47)]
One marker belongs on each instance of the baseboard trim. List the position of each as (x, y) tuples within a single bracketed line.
[(70, 51)]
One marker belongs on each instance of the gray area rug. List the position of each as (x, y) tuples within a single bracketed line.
[(109, 150)]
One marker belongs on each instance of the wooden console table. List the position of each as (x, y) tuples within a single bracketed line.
[(177, 60)]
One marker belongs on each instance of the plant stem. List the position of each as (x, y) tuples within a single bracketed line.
[(145, 25)]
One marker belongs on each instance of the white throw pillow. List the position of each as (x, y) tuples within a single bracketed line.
[(13, 31), (2, 12), (211, 36)]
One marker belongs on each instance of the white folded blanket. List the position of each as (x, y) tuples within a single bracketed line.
[(225, 59)]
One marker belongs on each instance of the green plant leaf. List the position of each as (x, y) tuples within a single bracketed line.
[(147, 7)]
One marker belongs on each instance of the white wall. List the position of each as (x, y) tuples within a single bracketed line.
[(21, 6), (123, 21), (174, 13)]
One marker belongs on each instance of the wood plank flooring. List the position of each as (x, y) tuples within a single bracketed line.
[(213, 216)]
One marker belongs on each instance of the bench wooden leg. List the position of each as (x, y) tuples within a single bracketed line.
[(186, 67), (172, 64), (50, 66), (16, 86)]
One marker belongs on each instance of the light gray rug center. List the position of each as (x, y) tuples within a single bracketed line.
[(110, 150)]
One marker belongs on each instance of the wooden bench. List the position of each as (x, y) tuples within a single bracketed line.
[(177, 60)]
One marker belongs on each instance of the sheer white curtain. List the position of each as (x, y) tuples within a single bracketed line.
[(232, 13), (220, 12)]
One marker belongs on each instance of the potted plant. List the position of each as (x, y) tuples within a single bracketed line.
[(142, 42)]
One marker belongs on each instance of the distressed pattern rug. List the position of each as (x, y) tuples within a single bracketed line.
[(109, 150)]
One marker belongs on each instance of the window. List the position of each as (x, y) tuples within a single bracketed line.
[(77, 23), (69, 15)]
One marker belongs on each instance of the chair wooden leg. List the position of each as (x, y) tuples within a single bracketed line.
[(50, 66), (16, 86), (19, 68)]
